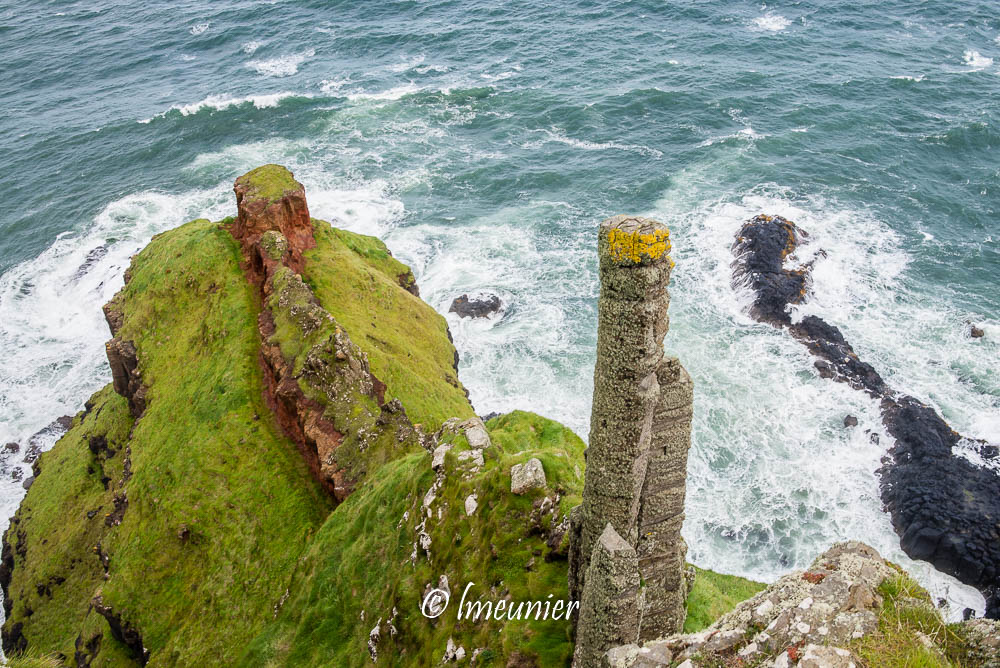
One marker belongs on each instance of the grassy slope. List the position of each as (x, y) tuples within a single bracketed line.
[(358, 282), (206, 458), (362, 565), (715, 594)]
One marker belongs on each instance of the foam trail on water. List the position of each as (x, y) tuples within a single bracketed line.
[(774, 476), (50, 313)]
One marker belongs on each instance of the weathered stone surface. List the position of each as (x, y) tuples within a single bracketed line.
[(476, 434), (471, 503), (437, 460), (640, 424), (983, 640), (817, 656), (830, 605), (270, 199), (527, 476), (609, 610), (124, 363)]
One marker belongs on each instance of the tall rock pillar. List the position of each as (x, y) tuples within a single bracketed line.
[(640, 428)]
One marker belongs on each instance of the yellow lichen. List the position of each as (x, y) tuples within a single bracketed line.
[(637, 246)]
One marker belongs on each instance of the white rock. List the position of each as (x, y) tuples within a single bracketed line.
[(475, 434), (806, 603), (437, 461), (471, 504), (527, 476), (782, 661), (459, 654), (475, 456), (802, 628)]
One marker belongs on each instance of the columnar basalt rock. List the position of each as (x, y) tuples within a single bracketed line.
[(640, 428), (609, 611)]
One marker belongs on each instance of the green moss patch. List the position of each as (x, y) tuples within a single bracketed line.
[(713, 595), (357, 280), (269, 182), (359, 566)]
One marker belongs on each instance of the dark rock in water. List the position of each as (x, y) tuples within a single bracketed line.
[(850, 421), (31, 454), (968, 614), (92, 257), (943, 507), (826, 342), (976, 333), (11, 447), (761, 247), (16, 474), (490, 416), (475, 308), (27, 482), (874, 438)]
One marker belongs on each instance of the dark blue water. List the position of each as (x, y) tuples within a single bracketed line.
[(484, 141)]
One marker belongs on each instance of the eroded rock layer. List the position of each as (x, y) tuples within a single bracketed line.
[(640, 432)]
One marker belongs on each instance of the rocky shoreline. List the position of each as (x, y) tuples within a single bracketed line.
[(945, 509)]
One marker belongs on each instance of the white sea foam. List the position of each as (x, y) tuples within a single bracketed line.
[(282, 66), (250, 47), (200, 28), (906, 77), (558, 137), (976, 60), (220, 102), (771, 22), (745, 513), (385, 95), (406, 64)]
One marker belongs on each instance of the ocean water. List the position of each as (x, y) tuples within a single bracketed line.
[(484, 141)]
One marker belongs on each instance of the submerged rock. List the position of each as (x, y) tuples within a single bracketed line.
[(476, 307)]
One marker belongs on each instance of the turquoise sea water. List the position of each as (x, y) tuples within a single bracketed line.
[(484, 141)]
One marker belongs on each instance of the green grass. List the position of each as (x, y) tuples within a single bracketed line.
[(356, 279), (359, 561), (713, 595), (269, 182), (907, 611), (220, 504)]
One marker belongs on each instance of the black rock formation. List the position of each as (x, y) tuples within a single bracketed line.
[(479, 307), (945, 509)]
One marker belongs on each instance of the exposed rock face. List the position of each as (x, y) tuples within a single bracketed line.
[(812, 614), (640, 428), (609, 610), (479, 307), (317, 381), (122, 631), (943, 507), (269, 198), (527, 476), (124, 365)]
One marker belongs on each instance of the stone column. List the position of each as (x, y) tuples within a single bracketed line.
[(640, 424), (609, 611)]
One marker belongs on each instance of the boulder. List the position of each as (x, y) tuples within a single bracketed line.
[(527, 476), (850, 421), (475, 307)]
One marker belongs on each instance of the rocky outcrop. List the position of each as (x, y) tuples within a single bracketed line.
[(527, 476), (317, 381), (122, 631), (610, 608), (124, 363), (640, 430), (943, 507), (475, 307), (269, 198), (807, 619)]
